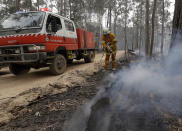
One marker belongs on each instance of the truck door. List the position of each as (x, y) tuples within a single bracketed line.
[(70, 29)]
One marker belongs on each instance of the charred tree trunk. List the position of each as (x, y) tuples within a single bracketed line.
[(177, 24), (153, 27), (147, 38)]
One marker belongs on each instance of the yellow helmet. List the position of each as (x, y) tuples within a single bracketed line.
[(106, 31)]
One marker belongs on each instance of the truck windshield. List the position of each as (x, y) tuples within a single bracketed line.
[(22, 20)]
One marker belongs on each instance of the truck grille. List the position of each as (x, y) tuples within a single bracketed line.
[(17, 53), (12, 50)]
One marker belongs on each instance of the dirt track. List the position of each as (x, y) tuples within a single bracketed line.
[(19, 91), (11, 85), (50, 112)]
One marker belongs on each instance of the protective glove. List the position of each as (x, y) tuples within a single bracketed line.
[(108, 48)]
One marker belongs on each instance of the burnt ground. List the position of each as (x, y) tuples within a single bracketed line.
[(49, 112), (134, 117)]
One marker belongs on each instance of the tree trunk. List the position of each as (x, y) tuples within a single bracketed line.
[(177, 24), (125, 31), (17, 5), (70, 11), (61, 7), (162, 35), (141, 27), (147, 38), (110, 18), (38, 5), (115, 24), (6, 6), (65, 8), (133, 40), (153, 27), (126, 41), (137, 30), (30, 4), (157, 34), (140, 43), (99, 18)]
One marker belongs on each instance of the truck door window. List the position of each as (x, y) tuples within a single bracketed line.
[(69, 25), (52, 20)]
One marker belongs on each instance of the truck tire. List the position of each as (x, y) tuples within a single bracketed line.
[(58, 65), (17, 69), (90, 57)]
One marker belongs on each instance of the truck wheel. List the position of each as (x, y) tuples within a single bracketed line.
[(58, 65), (90, 57), (17, 69)]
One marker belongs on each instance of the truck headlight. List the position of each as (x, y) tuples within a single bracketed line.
[(32, 48), (41, 47), (37, 48), (17, 51)]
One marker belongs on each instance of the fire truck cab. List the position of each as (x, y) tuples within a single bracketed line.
[(42, 39)]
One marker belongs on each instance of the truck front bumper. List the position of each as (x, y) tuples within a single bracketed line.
[(20, 54)]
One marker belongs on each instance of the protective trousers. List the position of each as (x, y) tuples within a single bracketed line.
[(108, 55)]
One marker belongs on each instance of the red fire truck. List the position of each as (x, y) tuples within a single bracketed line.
[(42, 39)]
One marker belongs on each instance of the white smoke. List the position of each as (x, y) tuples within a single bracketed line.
[(147, 78)]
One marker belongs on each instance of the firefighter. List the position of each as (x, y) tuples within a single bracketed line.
[(109, 44)]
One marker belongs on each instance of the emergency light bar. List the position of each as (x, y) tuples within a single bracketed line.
[(45, 9)]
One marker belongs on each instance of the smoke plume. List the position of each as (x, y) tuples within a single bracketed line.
[(135, 91)]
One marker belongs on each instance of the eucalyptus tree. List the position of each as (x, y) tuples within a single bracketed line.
[(164, 16), (177, 24), (147, 26), (153, 26)]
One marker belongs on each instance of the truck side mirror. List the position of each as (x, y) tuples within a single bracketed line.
[(54, 27)]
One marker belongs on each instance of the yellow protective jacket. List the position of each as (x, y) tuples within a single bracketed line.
[(109, 40)]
